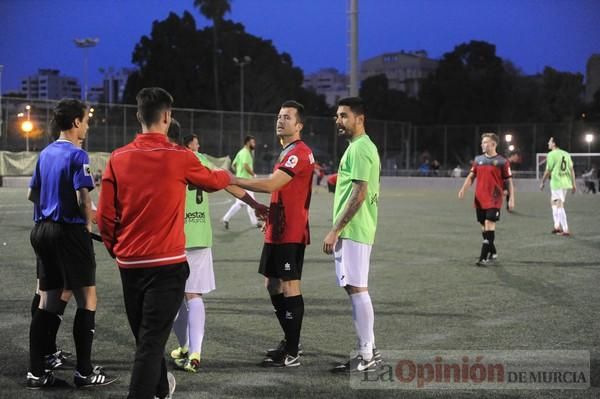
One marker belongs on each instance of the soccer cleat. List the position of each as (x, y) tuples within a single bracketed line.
[(483, 262), (282, 360), (57, 360), (356, 365), (192, 365), (180, 363), (96, 378), (52, 362), (226, 224), (564, 234), (556, 231), (273, 352), (47, 380), (179, 353)]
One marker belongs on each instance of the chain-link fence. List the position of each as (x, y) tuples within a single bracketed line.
[(404, 148)]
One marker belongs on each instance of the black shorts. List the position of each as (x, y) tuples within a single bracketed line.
[(283, 261), (65, 255), (491, 214)]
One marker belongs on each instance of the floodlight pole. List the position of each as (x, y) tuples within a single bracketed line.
[(85, 44), (353, 39), (1, 118), (241, 63)]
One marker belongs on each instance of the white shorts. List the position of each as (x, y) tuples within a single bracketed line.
[(202, 275), (352, 263), (558, 194)]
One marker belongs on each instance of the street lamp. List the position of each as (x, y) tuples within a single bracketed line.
[(85, 44), (241, 63), (508, 137), (27, 127), (511, 148), (589, 138)]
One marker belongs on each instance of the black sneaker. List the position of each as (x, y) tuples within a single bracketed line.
[(57, 360), (356, 365), (96, 378), (47, 380), (483, 262), (283, 360), (226, 225), (275, 352)]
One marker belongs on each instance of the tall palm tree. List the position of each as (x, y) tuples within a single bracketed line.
[(214, 10)]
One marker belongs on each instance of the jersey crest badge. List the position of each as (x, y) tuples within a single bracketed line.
[(291, 162)]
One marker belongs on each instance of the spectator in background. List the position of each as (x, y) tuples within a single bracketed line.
[(589, 179), (456, 172), (435, 168), (425, 168)]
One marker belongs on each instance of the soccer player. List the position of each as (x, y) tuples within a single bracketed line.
[(491, 170), (59, 189), (559, 168), (190, 321), (287, 231), (140, 217), (243, 164), (354, 223)]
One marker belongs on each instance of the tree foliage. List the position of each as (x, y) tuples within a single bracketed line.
[(177, 57)]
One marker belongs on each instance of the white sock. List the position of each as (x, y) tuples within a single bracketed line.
[(364, 319), (180, 325), (562, 215), (196, 320), (556, 217), (233, 210)]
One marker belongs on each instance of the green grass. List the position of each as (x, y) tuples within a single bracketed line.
[(427, 293)]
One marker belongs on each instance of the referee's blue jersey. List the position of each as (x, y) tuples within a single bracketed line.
[(61, 170)]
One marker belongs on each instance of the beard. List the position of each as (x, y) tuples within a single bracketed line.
[(342, 131)]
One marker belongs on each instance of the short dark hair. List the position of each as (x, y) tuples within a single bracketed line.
[(174, 132), (65, 113), (151, 101), (248, 138), (356, 104), (556, 141), (189, 138), (297, 106)]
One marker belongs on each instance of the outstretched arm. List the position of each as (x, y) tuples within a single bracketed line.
[(264, 185)]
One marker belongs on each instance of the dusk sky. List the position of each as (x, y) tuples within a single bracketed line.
[(531, 33)]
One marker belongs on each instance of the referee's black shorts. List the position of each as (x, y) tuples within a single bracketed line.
[(283, 261), (65, 255)]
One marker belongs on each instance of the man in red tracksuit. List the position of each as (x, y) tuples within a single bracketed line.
[(141, 218)]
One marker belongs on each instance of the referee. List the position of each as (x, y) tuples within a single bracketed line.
[(59, 189)]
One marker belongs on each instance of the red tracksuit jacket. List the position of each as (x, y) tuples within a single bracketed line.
[(142, 200)]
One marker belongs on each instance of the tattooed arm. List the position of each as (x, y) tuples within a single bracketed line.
[(357, 197)]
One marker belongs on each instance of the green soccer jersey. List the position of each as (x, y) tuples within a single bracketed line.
[(244, 156), (359, 162), (559, 164), (198, 230)]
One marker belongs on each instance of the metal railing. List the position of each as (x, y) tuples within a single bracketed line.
[(402, 146)]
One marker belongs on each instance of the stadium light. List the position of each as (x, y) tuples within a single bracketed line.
[(511, 148), (589, 138), (508, 137), (27, 127), (85, 44), (241, 63)]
